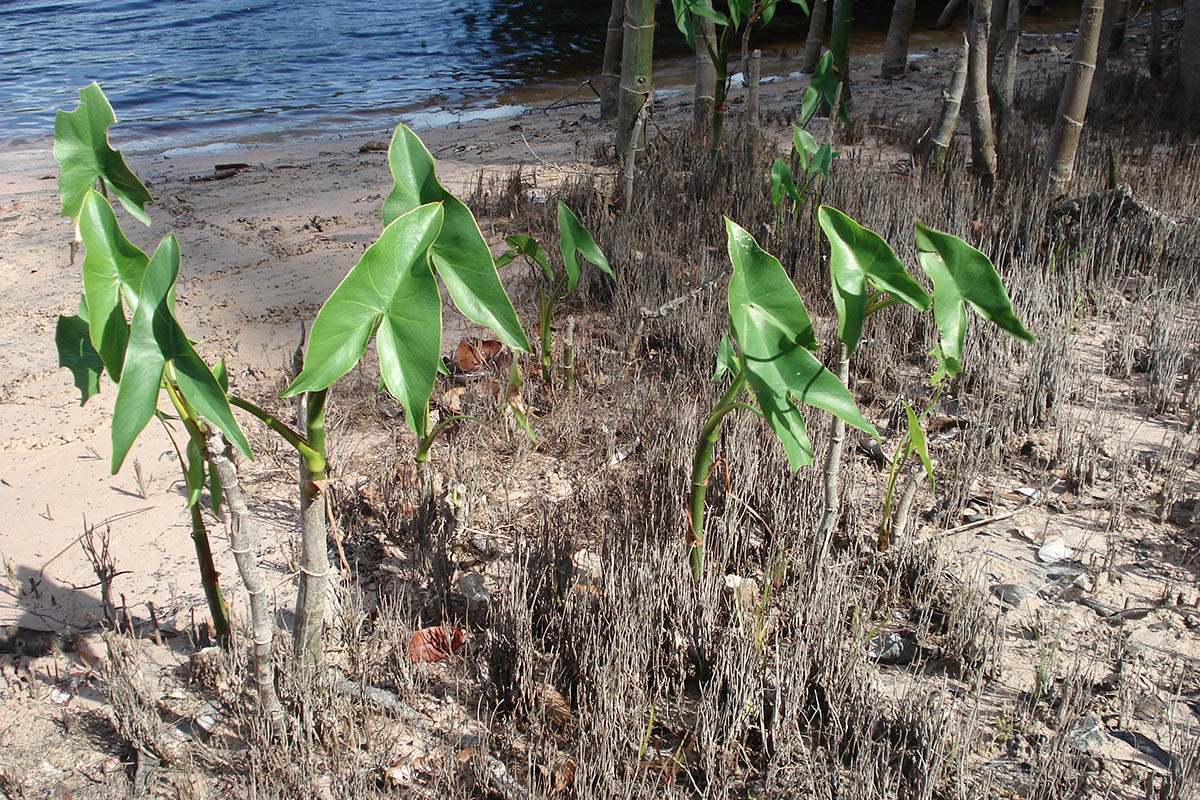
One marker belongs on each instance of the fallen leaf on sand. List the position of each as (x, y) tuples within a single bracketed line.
[(471, 354), (434, 644)]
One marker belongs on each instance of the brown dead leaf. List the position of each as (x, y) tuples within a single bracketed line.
[(556, 705), (564, 776), (472, 354), (451, 400), (434, 644)]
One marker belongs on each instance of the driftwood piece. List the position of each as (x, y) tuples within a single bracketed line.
[(1112, 205)]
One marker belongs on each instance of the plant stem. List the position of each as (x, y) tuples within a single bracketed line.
[(314, 553), (833, 458), (546, 303), (569, 354), (283, 429), (209, 577), (702, 464)]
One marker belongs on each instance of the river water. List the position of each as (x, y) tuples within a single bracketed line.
[(195, 72)]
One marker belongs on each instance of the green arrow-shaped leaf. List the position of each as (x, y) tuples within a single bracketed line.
[(574, 241), (859, 258), (155, 339), (759, 278), (83, 154), (112, 279), (961, 274), (822, 86), (75, 352), (782, 184), (392, 292), (775, 339), (916, 441), (460, 255)]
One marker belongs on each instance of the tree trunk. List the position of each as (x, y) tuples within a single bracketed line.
[(706, 76), (309, 625), (895, 52), (1189, 53), (951, 102), (1154, 53), (636, 74), (996, 32), (243, 541), (979, 111), (1004, 82), (832, 472), (610, 76), (754, 75), (1111, 12), (816, 35), (839, 45), (947, 15), (1116, 37), (1072, 108)]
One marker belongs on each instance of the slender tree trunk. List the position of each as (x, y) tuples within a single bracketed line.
[(1111, 11), (951, 102), (979, 111), (895, 52), (636, 73), (947, 15), (243, 541), (1116, 38), (610, 76), (1004, 82), (1072, 108), (839, 45), (754, 75), (832, 472), (816, 35), (996, 32), (314, 547), (1189, 53), (706, 76), (1154, 53)]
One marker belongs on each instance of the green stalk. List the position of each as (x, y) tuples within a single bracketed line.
[(898, 461), (209, 577), (314, 554), (290, 436), (547, 313), (703, 463)]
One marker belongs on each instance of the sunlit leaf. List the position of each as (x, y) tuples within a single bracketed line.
[(390, 292), (75, 352), (916, 440), (460, 255), (83, 154), (574, 240), (962, 275), (860, 259), (759, 278), (155, 339), (112, 278)]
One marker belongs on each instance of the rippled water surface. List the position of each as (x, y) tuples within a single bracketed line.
[(202, 70)]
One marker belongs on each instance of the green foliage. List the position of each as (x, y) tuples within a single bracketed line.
[(75, 352), (574, 240), (861, 261), (809, 160), (84, 157), (460, 254), (390, 292), (775, 338), (822, 90), (962, 275)]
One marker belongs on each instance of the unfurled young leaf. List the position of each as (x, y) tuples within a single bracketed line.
[(574, 240), (112, 279), (84, 156), (726, 359), (962, 275), (775, 338), (782, 184), (156, 340), (75, 352), (390, 292), (523, 245), (916, 440), (859, 259), (460, 255), (513, 399)]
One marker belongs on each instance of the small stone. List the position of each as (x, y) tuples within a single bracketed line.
[(892, 648), (1011, 594), (1054, 551)]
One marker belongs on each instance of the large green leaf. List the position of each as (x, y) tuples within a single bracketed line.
[(83, 154), (75, 352), (460, 255), (574, 240), (759, 278), (112, 279), (775, 339), (859, 258), (155, 339), (392, 292), (961, 275)]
